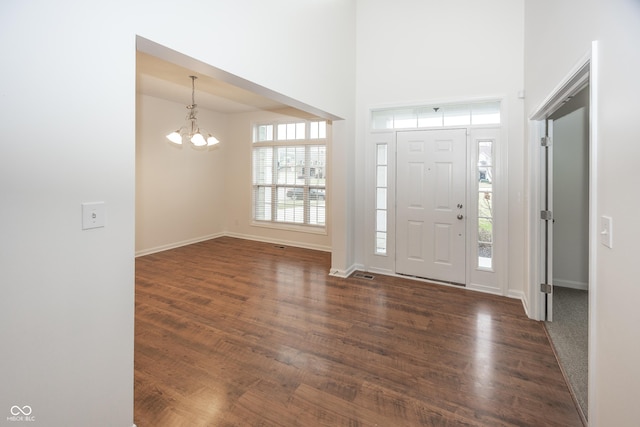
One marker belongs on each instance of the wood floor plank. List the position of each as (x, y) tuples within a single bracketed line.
[(232, 332)]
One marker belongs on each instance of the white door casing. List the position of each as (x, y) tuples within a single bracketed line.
[(430, 204), (541, 233), (546, 225)]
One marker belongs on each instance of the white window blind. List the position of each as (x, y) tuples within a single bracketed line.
[(289, 181)]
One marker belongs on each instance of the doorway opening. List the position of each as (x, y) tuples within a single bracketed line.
[(563, 222), (570, 242)]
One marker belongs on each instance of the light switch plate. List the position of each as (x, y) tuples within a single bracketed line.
[(606, 231), (93, 215)]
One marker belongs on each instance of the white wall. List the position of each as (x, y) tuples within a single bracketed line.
[(571, 193), (551, 51), (417, 51), (68, 105), (180, 191)]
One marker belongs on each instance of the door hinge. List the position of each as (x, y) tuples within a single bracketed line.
[(546, 215), (545, 141), (546, 288)]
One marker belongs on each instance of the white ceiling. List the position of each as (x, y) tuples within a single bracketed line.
[(162, 79)]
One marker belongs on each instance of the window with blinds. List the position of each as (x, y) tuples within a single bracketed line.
[(289, 173)]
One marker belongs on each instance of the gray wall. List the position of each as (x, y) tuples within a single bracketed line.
[(571, 193)]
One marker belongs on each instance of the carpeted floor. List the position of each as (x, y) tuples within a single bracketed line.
[(569, 333)]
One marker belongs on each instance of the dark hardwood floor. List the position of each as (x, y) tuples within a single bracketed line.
[(232, 332)]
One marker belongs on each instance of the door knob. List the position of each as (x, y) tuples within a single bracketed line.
[(460, 216)]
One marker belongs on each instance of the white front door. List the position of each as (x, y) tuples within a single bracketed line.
[(430, 209)]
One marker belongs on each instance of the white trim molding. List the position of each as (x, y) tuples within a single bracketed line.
[(174, 245)]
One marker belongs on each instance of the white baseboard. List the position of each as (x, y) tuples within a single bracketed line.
[(168, 246), (485, 289), (527, 309), (344, 273), (522, 297), (383, 271), (571, 284), (515, 294), (279, 242)]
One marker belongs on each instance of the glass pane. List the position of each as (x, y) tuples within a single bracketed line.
[(300, 131), (430, 117), (322, 130), (291, 131), (282, 132), (485, 204), (382, 119), (290, 204), (381, 243), (457, 115), (381, 220), (382, 154), (485, 177), (263, 165), (381, 176), (485, 230), (485, 255), (316, 206), (485, 153), (313, 130), (264, 133), (403, 119), (317, 165), (262, 199), (290, 165), (381, 198), (487, 113)]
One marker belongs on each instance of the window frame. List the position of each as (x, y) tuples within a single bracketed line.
[(278, 142)]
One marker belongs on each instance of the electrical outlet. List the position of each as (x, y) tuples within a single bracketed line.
[(606, 231)]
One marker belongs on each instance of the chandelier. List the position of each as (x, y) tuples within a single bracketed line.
[(191, 131)]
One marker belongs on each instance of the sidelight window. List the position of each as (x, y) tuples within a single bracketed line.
[(381, 199), (485, 204)]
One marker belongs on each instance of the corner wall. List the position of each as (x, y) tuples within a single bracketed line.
[(68, 108), (180, 191)]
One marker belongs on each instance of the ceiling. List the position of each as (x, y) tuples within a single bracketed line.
[(165, 80)]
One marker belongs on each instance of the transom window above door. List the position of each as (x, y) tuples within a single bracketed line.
[(435, 116)]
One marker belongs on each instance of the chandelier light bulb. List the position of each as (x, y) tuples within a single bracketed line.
[(175, 137), (198, 140)]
